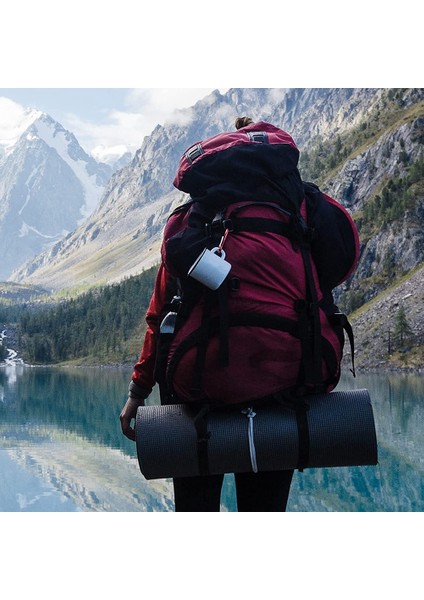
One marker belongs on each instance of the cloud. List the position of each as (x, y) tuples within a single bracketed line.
[(143, 110), (14, 119), (159, 106), (160, 103), (108, 154), (181, 117), (118, 128)]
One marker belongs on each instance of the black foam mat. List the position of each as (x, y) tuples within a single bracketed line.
[(341, 432)]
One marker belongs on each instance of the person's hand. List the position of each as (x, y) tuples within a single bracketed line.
[(129, 413)]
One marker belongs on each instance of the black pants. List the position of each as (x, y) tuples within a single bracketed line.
[(256, 492)]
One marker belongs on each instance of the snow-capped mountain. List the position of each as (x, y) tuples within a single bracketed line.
[(48, 186)]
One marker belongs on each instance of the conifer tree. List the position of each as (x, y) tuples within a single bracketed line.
[(403, 329)]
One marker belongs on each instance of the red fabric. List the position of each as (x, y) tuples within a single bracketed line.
[(262, 361), (143, 374)]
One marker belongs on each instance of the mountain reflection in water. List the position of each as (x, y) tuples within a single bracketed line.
[(61, 448)]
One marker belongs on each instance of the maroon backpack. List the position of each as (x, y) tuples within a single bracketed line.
[(272, 326)]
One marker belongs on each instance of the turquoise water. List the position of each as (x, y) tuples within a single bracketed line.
[(61, 448)]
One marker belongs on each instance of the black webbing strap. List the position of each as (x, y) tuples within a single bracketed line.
[(199, 366), (341, 320), (236, 224), (306, 360), (348, 328), (314, 375), (289, 400), (201, 424), (344, 322), (260, 225), (301, 411), (224, 356)]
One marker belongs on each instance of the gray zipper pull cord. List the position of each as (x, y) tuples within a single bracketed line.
[(250, 414)]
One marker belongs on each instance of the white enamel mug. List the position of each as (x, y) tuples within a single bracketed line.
[(210, 268)]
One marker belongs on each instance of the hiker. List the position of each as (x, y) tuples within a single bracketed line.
[(249, 179)]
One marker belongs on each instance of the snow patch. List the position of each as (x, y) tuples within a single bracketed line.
[(60, 140), (27, 229), (27, 185), (14, 120)]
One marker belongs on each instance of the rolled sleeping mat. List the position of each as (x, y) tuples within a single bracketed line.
[(327, 430)]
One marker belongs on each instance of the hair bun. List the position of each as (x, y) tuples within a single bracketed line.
[(243, 122)]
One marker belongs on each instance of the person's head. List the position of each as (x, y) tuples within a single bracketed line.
[(243, 122)]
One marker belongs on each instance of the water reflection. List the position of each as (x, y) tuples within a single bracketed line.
[(397, 483), (61, 448)]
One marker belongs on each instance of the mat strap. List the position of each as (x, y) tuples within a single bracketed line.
[(298, 404), (201, 424)]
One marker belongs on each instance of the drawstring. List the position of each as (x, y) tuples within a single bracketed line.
[(252, 450)]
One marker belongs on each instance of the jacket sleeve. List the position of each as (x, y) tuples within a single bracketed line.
[(143, 374)]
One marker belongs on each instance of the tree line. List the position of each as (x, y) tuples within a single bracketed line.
[(97, 325)]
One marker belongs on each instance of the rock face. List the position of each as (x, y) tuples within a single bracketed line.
[(48, 185), (361, 176), (376, 327)]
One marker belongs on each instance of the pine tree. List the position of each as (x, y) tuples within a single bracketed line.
[(403, 329)]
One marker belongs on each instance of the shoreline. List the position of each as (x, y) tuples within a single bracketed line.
[(130, 366), (67, 366)]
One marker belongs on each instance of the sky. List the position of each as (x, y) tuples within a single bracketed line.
[(106, 121)]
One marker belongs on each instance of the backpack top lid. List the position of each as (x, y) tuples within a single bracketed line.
[(259, 150)]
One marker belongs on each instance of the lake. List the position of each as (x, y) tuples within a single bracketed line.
[(62, 450)]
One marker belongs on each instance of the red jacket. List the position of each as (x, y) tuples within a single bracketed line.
[(143, 374)]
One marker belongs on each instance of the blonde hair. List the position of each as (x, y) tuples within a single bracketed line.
[(242, 122)]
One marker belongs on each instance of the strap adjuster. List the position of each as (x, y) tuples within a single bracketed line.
[(260, 137), (194, 152)]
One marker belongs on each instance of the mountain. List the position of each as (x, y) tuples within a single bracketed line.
[(363, 146), (48, 186), (376, 325)]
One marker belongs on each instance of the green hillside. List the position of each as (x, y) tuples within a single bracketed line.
[(103, 325)]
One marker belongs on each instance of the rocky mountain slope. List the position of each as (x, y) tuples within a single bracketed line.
[(377, 327), (48, 186)]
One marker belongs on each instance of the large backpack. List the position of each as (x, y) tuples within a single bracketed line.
[(272, 326)]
